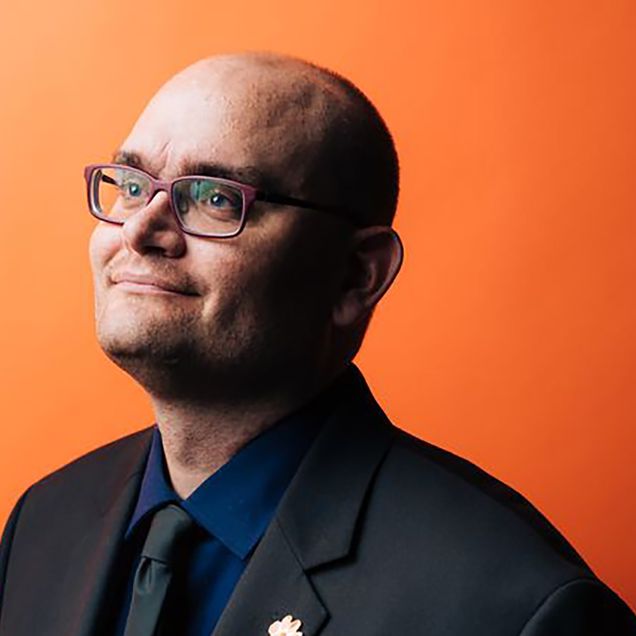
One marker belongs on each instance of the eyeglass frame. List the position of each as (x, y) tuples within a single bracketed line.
[(249, 195)]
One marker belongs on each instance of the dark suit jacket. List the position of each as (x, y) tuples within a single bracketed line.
[(378, 534)]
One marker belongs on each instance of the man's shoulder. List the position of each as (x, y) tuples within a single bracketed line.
[(442, 508), (71, 497), (463, 552), (100, 465)]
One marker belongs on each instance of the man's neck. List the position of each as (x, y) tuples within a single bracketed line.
[(199, 438)]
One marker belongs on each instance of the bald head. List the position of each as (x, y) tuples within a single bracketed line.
[(285, 301), (312, 132)]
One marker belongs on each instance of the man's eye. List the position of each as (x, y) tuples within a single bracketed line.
[(220, 201), (214, 196), (131, 189)]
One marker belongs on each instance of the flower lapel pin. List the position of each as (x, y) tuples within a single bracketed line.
[(288, 626)]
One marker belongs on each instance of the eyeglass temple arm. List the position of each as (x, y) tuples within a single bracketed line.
[(108, 179), (272, 197)]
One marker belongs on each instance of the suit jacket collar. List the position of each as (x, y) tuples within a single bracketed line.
[(320, 509), (314, 525)]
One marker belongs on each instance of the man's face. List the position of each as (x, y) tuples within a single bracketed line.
[(249, 308)]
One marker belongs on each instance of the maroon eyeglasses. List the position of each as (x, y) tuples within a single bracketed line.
[(203, 206)]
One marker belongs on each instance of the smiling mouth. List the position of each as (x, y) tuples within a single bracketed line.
[(148, 288), (148, 283)]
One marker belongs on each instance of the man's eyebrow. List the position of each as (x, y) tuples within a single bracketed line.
[(129, 159), (249, 175)]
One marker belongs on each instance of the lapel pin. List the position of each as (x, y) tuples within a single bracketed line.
[(288, 626)]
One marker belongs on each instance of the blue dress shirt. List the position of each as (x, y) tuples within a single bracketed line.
[(233, 508)]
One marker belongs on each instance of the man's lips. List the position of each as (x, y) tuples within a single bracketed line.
[(149, 283)]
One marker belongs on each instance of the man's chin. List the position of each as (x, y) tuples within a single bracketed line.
[(139, 345), (168, 370)]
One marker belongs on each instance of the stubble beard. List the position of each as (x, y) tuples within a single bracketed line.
[(181, 356), (167, 355)]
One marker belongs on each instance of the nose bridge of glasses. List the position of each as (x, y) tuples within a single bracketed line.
[(157, 186)]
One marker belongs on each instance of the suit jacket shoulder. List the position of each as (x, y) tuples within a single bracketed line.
[(55, 520), (85, 486), (460, 552), (117, 453), (454, 499)]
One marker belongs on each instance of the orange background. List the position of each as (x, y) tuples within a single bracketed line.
[(509, 336)]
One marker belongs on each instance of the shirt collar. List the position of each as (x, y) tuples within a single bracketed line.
[(237, 502)]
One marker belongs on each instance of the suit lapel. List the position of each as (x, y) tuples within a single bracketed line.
[(273, 585), (94, 556), (315, 521)]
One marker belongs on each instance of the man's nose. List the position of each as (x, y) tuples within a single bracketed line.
[(154, 228)]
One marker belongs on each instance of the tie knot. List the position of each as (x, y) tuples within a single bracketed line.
[(167, 530)]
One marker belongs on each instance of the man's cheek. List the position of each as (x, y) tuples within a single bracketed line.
[(105, 241)]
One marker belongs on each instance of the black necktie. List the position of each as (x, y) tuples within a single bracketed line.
[(169, 527)]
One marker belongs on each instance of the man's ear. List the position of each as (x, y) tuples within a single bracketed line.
[(375, 258)]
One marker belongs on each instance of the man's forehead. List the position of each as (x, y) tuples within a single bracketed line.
[(184, 122), (187, 132), (228, 103)]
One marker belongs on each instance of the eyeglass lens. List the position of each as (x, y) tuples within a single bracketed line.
[(204, 205)]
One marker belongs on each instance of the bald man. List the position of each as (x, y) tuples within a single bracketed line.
[(243, 241)]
